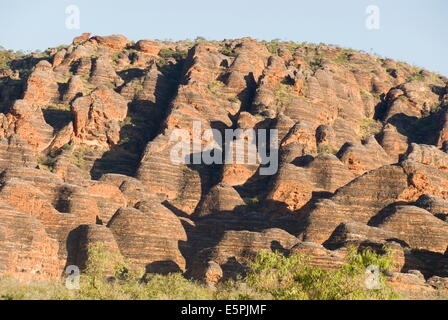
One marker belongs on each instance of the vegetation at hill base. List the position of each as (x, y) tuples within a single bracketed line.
[(271, 275)]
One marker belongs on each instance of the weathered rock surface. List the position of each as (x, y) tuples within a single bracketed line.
[(428, 155), (26, 250), (294, 186), (148, 46), (41, 87), (143, 242), (103, 73), (411, 285), (355, 233), (359, 201), (360, 158), (75, 89), (220, 199), (132, 189), (97, 117), (437, 206), (15, 151), (27, 121), (116, 41), (393, 142), (413, 224), (316, 255), (236, 248)]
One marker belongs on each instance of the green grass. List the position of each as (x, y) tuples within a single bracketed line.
[(436, 107), (293, 278), (78, 156), (364, 92), (234, 99), (127, 121), (316, 64), (46, 163), (228, 51), (253, 201), (273, 46), (66, 79), (369, 127), (200, 39), (60, 106), (271, 275), (67, 147), (215, 87), (166, 54), (110, 85), (416, 75), (323, 148), (283, 95), (343, 58), (7, 56)]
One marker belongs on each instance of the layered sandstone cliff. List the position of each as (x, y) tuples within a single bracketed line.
[(85, 156)]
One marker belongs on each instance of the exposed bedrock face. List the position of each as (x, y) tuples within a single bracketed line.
[(86, 156)]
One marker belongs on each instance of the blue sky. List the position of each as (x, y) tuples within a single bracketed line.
[(415, 31)]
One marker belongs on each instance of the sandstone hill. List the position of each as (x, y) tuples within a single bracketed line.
[(85, 157)]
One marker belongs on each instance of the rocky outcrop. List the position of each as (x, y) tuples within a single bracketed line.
[(413, 224), (360, 158), (437, 206), (82, 38), (108, 197), (359, 201), (103, 73), (142, 241), (411, 285), (294, 186), (355, 233), (26, 251), (27, 121), (14, 151), (393, 142), (316, 255), (220, 199), (210, 272), (236, 248), (428, 155), (116, 41), (97, 118), (75, 89), (424, 179), (148, 46), (41, 87), (132, 189), (179, 184)]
